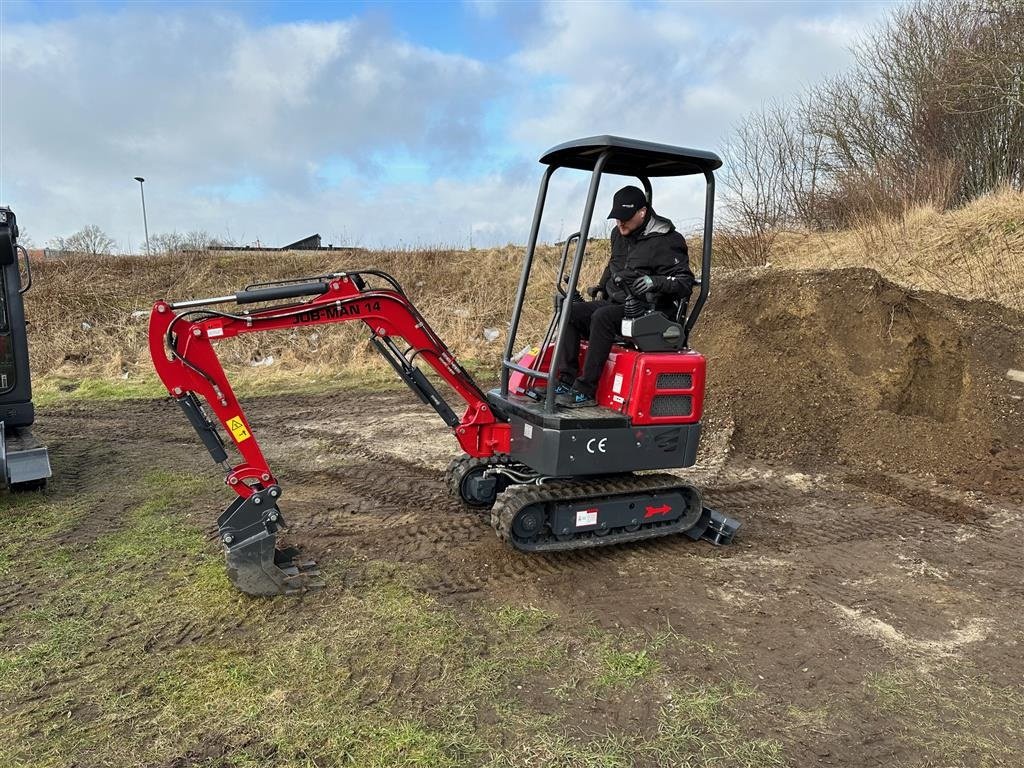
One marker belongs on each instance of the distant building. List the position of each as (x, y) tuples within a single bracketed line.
[(311, 243)]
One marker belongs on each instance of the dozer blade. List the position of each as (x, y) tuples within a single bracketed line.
[(248, 529), (714, 527)]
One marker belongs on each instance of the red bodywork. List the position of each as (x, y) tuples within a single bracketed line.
[(633, 381), (386, 313)]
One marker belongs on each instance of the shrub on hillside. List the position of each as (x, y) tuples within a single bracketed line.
[(931, 113)]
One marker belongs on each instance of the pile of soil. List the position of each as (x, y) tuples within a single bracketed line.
[(843, 366)]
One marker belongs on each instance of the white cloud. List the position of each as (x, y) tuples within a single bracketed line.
[(197, 99), (674, 73), (666, 73), (279, 131)]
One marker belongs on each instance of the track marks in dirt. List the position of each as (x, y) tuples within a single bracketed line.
[(919, 498), (839, 575), (859, 556), (375, 504)]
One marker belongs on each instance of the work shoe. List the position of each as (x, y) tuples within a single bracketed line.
[(540, 393), (575, 399)]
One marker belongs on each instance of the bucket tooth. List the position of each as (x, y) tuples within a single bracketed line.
[(248, 529)]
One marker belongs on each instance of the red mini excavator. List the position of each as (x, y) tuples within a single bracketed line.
[(553, 479)]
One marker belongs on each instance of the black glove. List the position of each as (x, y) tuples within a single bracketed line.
[(594, 290), (646, 284)]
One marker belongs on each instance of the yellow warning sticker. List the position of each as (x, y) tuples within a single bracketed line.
[(237, 427)]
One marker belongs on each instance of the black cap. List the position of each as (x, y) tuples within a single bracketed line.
[(627, 202)]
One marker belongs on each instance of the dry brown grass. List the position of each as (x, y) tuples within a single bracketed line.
[(82, 323), (975, 252), (89, 316)]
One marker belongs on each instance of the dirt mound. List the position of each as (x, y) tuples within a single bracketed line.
[(843, 366)]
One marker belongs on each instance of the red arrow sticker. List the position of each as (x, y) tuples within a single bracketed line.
[(655, 511)]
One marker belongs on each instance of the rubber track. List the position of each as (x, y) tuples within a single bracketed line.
[(517, 497)]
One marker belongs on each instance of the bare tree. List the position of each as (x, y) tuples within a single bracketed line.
[(755, 197), (993, 59), (176, 242), (90, 240), (931, 112), (772, 177)]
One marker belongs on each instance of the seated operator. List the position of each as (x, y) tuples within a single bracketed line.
[(649, 256)]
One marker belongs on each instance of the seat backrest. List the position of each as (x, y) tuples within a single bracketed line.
[(654, 332)]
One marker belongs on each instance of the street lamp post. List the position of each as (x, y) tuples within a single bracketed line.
[(145, 225)]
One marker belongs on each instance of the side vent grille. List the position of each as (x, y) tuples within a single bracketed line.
[(674, 381), (672, 405)]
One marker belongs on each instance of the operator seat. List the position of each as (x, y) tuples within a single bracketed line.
[(656, 331)]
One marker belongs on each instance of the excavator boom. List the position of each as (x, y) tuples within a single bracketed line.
[(182, 336)]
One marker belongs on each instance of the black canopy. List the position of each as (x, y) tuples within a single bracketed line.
[(630, 157)]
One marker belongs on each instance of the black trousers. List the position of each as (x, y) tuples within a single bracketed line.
[(598, 321)]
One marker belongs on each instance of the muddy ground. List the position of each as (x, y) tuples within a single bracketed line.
[(868, 612), (866, 609)]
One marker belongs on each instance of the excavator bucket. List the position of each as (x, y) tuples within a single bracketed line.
[(248, 529)]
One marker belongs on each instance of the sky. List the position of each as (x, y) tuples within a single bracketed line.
[(383, 125)]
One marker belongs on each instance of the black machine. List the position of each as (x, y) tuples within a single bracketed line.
[(24, 463)]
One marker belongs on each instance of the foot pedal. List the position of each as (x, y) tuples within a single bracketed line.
[(715, 528)]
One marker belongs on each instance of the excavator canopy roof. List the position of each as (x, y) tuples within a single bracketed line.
[(630, 157)]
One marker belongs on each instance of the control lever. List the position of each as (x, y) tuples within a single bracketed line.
[(635, 306)]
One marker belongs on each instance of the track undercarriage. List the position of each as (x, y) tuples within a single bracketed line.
[(546, 514)]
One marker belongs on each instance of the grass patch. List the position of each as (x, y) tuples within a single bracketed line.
[(387, 677), (139, 652), (30, 519), (49, 641), (699, 726), (362, 374), (53, 390), (152, 535), (966, 719), (553, 750), (525, 620), (621, 668)]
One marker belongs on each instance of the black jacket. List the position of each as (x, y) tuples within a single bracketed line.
[(657, 250)]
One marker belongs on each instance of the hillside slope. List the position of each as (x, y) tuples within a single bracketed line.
[(976, 252), (817, 364)]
